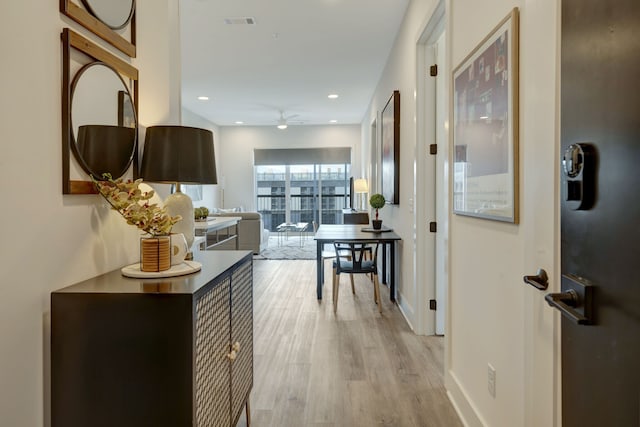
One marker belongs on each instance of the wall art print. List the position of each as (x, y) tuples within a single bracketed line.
[(390, 155), (485, 127)]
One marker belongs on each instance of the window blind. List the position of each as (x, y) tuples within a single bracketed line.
[(301, 156)]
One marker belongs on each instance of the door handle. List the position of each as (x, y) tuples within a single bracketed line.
[(575, 302), (566, 302), (540, 281)]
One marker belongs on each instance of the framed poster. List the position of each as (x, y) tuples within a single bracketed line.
[(485, 127), (390, 155)]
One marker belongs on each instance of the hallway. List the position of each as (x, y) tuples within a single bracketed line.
[(359, 368)]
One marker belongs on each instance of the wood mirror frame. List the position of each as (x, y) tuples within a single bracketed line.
[(118, 16), (71, 40), (95, 25)]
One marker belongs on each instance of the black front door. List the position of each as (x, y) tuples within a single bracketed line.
[(600, 217)]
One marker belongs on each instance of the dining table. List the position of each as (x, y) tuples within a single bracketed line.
[(329, 233)]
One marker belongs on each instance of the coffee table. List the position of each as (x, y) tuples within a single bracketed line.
[(291, 227)]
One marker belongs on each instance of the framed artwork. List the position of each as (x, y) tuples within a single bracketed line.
[(390, 154), (373, 166), (485, 127)]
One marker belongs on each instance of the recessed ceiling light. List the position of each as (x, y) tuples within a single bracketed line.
[(239, 122), (282, 126), (203, 98), (333, 121), (333, 96)]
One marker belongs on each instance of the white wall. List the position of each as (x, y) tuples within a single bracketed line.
[(211, 194), (50, 240), (237, 144), (493, 317), (400, 74)]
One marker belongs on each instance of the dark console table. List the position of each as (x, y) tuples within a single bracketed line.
[(155, 352)]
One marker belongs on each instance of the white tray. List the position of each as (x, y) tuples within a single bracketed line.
[(187, 267)]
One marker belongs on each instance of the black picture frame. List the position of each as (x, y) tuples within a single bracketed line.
[(390, 150)]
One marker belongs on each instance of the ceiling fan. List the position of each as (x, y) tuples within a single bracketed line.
[(284, 121)]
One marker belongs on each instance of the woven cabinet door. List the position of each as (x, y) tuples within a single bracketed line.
[(241, 337), (212, 356)]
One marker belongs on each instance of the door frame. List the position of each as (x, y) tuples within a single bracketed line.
[(425, 274)]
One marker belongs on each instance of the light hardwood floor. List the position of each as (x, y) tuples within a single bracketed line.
[(355, 368)]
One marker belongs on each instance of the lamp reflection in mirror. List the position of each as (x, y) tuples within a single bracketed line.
[(361, 187), (105, 149), (179, 155)]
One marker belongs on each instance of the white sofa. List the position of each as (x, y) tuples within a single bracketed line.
[(252, 236)]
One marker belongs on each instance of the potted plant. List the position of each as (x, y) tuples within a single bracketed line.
[(377, 201), (201, 213), (133, 204)]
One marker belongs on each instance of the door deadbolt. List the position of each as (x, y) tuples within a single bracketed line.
[(573, 160), (578, 166)]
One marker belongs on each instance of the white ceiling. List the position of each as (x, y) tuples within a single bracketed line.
[(297, 53)]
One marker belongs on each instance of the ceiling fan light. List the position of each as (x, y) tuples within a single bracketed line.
[(282, 123)]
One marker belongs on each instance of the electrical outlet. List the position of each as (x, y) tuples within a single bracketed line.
[(491, 380)]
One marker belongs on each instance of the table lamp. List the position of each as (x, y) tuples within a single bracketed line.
[(179, 155), (361, 187)]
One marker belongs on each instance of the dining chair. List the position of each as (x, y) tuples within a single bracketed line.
[(356, 218), (327, 254), (357, 264)]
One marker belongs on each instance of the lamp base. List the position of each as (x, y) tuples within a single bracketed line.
[(179, 203)]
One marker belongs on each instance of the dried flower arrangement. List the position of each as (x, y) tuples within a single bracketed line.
[(132, 203)]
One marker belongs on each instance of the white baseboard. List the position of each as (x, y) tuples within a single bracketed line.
[(406, 310), (461, 403)]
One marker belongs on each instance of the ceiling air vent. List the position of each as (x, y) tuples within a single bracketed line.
[(240, 21)]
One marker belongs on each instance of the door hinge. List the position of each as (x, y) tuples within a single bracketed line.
[(433, 70), (432, 304), (433, 149), (433, 227)]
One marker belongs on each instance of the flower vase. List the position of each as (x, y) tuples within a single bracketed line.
[(155, 253)]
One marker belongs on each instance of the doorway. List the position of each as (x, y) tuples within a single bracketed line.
[(431, 178)]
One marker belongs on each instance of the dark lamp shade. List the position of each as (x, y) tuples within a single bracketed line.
[(106, 149), (179, 154)]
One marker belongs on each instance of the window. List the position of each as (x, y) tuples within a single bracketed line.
[(302, 193)]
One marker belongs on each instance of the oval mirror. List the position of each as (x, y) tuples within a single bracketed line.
[(103, 121), (115, 14)]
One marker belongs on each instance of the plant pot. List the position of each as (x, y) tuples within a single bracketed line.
[(376, 223), (155, 253)]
